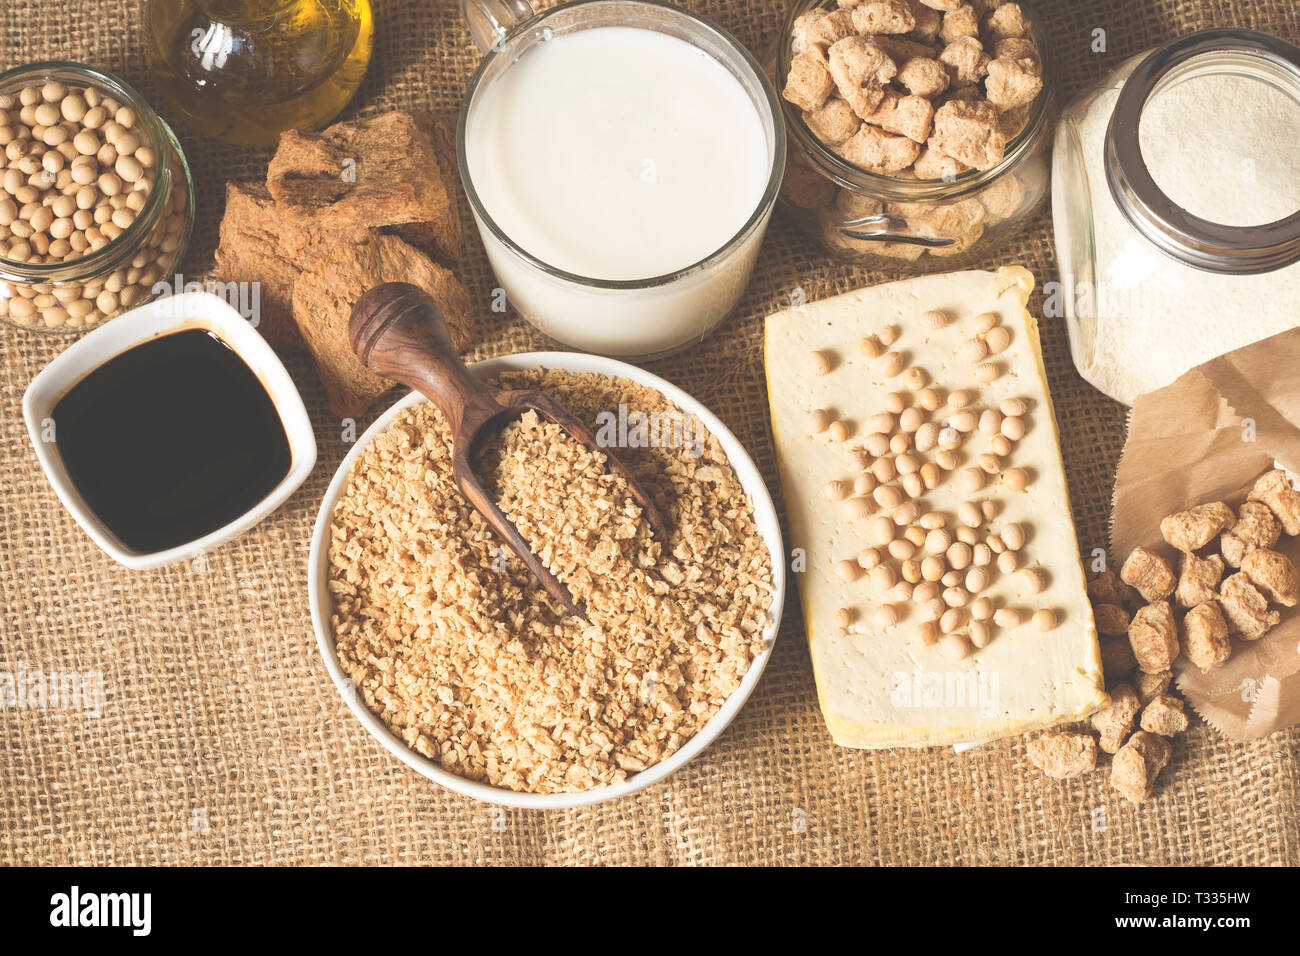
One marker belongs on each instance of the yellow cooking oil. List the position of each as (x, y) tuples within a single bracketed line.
[(243, 71)]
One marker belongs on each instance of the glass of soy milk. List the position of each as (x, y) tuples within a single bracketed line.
[(622, 158)]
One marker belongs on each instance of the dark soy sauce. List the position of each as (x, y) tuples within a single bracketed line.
[(171, 440)]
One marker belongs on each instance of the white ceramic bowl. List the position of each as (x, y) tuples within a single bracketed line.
[(162, 316), (764, 518)]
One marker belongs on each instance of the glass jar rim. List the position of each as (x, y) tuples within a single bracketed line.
[(891, 188), (505, 47), (112, 253), (1197, 242)]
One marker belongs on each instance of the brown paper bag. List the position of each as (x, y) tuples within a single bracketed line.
[(1207, 437)]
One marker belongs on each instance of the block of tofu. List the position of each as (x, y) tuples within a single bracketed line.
[(883, 682)]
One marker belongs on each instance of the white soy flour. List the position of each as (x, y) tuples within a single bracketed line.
[(1157, 318), (1223, 148)]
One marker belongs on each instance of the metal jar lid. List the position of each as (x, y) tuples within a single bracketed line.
[(1237, 250)]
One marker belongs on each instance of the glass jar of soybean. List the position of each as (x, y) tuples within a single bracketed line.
[(96, 201)]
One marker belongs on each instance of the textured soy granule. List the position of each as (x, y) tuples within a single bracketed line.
[(457, 649)]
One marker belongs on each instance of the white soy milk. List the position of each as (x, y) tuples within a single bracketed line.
[(619, 154)]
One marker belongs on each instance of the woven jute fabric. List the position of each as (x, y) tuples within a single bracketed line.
[(222, 739)]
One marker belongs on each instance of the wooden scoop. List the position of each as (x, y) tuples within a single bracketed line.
[(399, 333)]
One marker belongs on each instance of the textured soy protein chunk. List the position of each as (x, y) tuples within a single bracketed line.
[(1245, 608), (818, 29), (1151, 686), (1022, 50), (1006, 20), (1165, 716), (1198, 579), (809, 82), (805, 188), (923, 76), (1106, 588), (834, 122), (874, 149), (1256, 527), (900, 49), (928, 21), (1194, 528), (1115, 722), (1112, 620), (961, 220), (860, 69), (965, 61), (932, 164), (1012, 122), (882, 16), (1273, 574), (1149, 573), (1065, 755), (1154, 637), (1205, 636), (1134, 769), (962, 22), (908, 116), (1274, 490), (857, 206), (1117, 660), (1001, 198), (969, 132), (1012, 83)]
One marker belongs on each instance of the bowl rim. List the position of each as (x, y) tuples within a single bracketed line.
[(765, 519), (159, 317)]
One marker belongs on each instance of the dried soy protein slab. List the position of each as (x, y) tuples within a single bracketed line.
[(367, 173), (269, 245), (323, 297), (943, 595)]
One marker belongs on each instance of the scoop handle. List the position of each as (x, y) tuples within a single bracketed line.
[(399, 333)]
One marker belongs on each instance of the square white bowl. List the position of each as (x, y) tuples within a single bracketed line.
[(164, 316)]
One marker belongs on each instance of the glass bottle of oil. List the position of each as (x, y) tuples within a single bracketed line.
[(243, 71)]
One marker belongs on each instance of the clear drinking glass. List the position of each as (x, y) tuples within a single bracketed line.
[(639, 318)]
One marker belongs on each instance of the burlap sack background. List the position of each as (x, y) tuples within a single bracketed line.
[(223, 740)]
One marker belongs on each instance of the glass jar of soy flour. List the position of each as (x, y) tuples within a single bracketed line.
[(1176, 205)]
